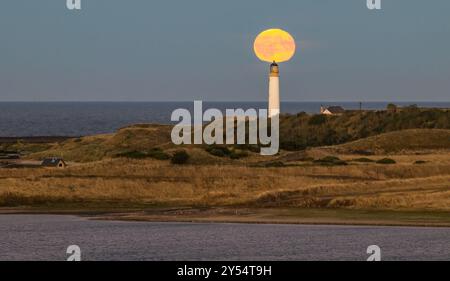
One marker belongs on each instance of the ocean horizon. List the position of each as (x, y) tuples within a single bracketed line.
[(31, 119)]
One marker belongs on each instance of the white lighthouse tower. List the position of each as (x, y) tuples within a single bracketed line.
[(274, 90)]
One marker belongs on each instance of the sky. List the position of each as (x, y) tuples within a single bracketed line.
[(185, 50)]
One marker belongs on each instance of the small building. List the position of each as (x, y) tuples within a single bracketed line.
[(54, 162), (332, 110)]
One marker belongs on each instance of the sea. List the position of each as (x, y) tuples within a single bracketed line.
[(27, 119)]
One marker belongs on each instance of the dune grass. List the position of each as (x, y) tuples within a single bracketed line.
[(398, 141), (130, 170), (149, 181)]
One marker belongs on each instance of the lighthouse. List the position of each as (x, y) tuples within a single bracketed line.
[(274, 90), (274, 46)]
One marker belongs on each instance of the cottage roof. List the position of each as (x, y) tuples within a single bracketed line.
[(52, 162), (336, 109)]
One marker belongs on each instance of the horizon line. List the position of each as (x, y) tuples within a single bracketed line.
[(224, 101)]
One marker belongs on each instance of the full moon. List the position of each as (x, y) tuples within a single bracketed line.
[(274, 45)]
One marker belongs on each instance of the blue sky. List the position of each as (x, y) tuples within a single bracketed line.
[(167, 50)]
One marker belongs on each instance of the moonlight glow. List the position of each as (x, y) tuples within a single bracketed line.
[(274, 45)]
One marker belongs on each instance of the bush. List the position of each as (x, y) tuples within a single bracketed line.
[(250, 147), (418, 162), (180, 157), (238, 154), (391, 107), (330, 161), (363, 152), (157, 153), (387, 161), (317, 120), (219, 151), (274, 164), (363, 160), (223, 151)]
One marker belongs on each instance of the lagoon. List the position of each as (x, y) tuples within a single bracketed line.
[(46, 237)]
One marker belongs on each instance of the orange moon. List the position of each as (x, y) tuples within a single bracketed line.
[(274, 45)]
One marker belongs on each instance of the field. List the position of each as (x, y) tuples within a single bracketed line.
[(319, 185)]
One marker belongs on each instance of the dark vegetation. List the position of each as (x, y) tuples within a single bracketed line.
[(363, 160), (300, 131), (386, 161), (330, 161), (9, 199), (180, 157), (297, 132), (272, 164), (155, 153), (225, 151)]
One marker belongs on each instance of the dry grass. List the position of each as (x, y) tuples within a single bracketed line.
[(405, 185), (99, 177), (401, 141), (94, 148)]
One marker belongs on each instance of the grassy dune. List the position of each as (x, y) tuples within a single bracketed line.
[(145, 137), (400, 186), (94, 148), (302, 183), (401, 141)]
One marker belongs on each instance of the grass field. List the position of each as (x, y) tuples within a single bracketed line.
[(319, 185)]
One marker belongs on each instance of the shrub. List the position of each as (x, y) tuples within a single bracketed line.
[(303, 158), (219, 151), (274, 164), (180, 157), (317, 120), (223, 151), (238, 154), (391, 107), (330, 161), (250, 147), (386, 161), (158, 153), (418, 162), (363, 160), (363, 152)]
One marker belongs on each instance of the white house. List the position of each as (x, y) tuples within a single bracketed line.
[(332, 110)]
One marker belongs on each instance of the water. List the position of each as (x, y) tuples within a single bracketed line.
[(20, 119), (46, 237)]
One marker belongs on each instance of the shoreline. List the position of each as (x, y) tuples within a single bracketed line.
[(282, 216)]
